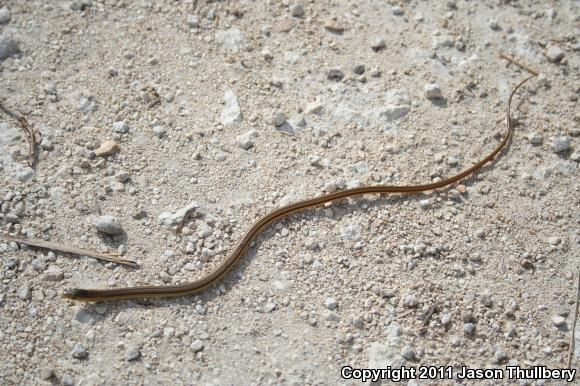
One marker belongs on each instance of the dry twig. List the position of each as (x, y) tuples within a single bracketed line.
[(401, 316), (32, 134), (512, 60), (429, 314), (70, 249), (573, 335)]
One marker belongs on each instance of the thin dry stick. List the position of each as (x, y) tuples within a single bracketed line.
[(401, 316), (512, 60), (572, 336), (32, 134), (429, 314), (70, 249)]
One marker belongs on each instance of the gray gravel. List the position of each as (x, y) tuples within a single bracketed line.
[(433, 91), (8, 47), (79, 352), (109, 225), (5, 15), (132, 354), (561, 144)]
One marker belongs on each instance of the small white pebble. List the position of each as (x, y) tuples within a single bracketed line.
[(408, 353), (555, 54), (500, 356), (204, 231), (247, 140), (120, 127), (5, 15), (469, 328), (297, 10), (159, 131), (132, 354), (446, 319), (330, 303), (535, 138), (432, 91), (559, 321), (267, 54), (278, 118), (410, 301), (196, 346)]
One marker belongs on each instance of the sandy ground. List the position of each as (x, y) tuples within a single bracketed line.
[(235, 108)]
